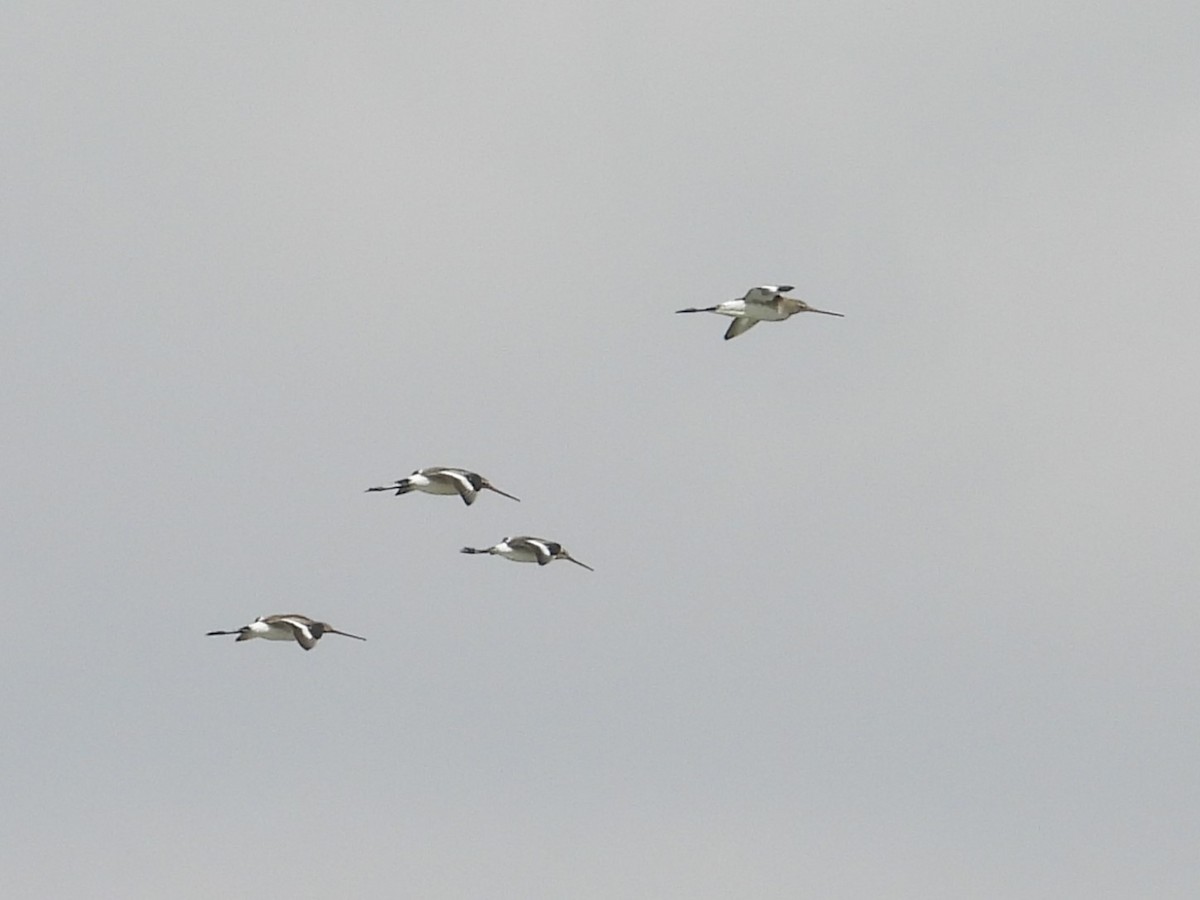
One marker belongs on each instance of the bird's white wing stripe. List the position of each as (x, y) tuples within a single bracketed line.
[(302, 632), (542, 549), (298, 625), (457, 478), (461, 483)]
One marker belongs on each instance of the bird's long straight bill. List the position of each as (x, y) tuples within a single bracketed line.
[(828, 313), (345, 634), (501, 493)]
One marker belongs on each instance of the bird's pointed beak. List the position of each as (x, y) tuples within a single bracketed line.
[(502, 493), (826, 312), (344, 634), (578, 563)]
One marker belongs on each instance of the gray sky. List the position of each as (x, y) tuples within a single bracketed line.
[(896, 605)]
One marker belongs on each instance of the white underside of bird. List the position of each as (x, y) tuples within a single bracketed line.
[(758, 312), (526, 551), (747, 315), (283, 628), (445, 483), (274, 631)]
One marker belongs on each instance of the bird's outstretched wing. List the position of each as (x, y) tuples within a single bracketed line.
[(766, 293), (739, 326), (461, 482), (301, 629), (303, 637), (543, 550)]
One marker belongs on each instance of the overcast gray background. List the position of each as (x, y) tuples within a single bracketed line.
[(896, 605)]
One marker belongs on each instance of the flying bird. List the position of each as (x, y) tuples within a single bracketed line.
[(444, 480), (528, 549), (761, 304), (290, 627)]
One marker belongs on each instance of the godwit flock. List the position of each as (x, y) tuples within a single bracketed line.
[(766, 303)]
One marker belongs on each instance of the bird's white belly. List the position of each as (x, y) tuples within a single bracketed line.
[(763, 313), (272, 632), (437, 487), (519, 554)]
